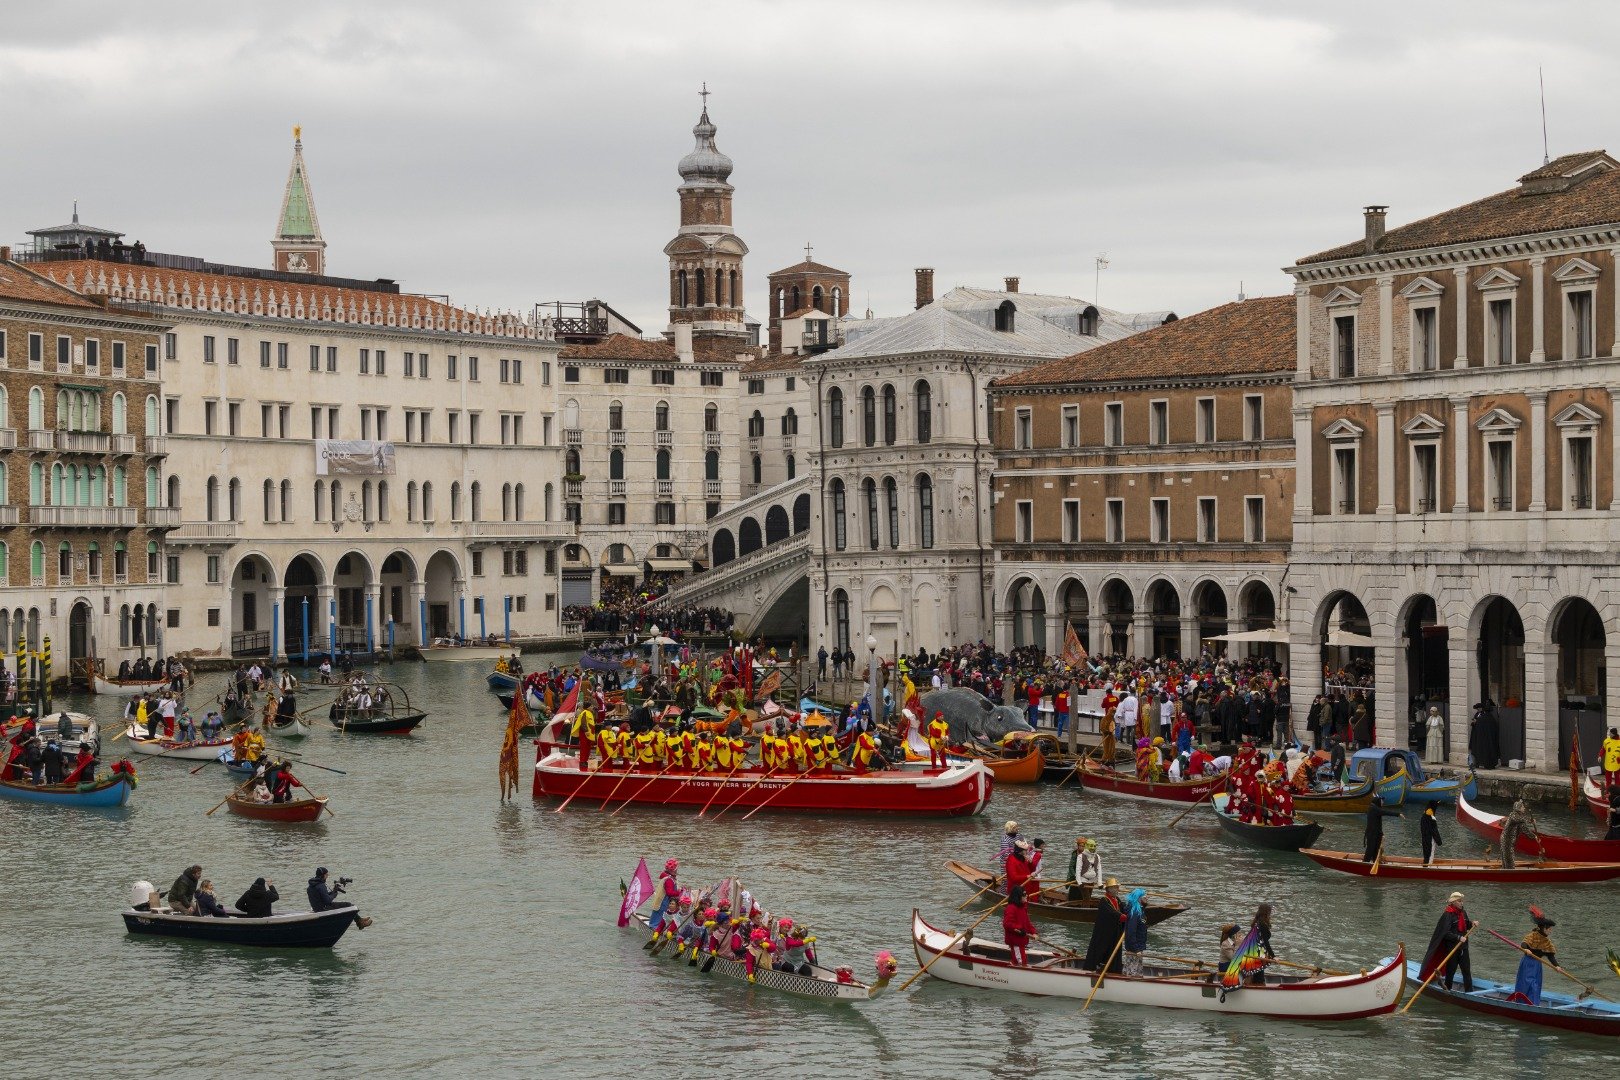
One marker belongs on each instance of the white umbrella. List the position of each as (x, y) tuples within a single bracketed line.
[(660, 640), (1272, 636), (1350, 638)]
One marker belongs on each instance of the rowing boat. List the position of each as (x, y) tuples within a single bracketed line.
[(981, 963), (1538, 844), (1403, 867), (1594, 1017), (1096, 777), (1354, 798), (195, 750), (1023, 769), (129, 687), (1292, 837), (112, 790), (353, 721), (823, 984), (1596, 800), (290, 930), (294, 728), (1063, 910), (299, 810)]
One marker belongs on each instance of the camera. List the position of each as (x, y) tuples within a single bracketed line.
[(341, 882)]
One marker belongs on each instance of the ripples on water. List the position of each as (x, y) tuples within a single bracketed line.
[(495, 952)]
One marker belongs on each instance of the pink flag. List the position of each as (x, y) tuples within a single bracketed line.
[(638, 892)]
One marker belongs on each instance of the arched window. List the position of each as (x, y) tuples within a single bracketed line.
[(92, 558), (517, 502), (120, 414), (891, 497), (36, 409), (571, 463), (781, 303), (816, 298), (837, 301), (427, 500), (410, 500), (152, 426), (81, 486), (889, 419), (870, 487), (925, 510), (792, 468), (661, 416), (757, 466), (840, 620), (5, 495), (711, 417), (337, 500), (64, 562), (680, 288), (731, 295), (711, 465), (211, 498), (98, 486), (663, 464), (235, 501), (59, 496), (477, 501), (120, 562), (455, 500), (790, 422), (269, 500), (382, 499), (835, 418), (153, 487), (546, 496), (616, 464), (64, 409), (868, 416), (120, 490), (702, 287), (151, 564), (123, 627), (36, 484), (36, 562), (506, 502), (174, 492), (839, 516), (616, 416), (756, 424), (365, 501), (320, 500), (923, 402), (793, 307), (1005, 315)]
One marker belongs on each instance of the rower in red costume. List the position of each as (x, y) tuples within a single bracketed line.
[(84, 767), (865, 750), (1019, 866), (607, 744), (1016, 929)]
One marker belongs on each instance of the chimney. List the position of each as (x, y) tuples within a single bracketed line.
[(925, 286), (683, 342), (1012, 284), (5, 254), (1375, 226)]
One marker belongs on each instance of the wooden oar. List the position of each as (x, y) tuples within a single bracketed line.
[(1438, 968), (1079, 762), (1377, 860), (744, 794), (718, 788), (324, 804), (981, 892), (1187, 811), (1103, 974), (949, 945), (305, 761), (639, 790), (628, 772), (1587, 990), (581, 788), (227, 798), (1312, 968), (793, 780)]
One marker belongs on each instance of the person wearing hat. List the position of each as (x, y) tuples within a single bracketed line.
[(255, 903), (1085, 870), (1229, 944), (1009, 840), (1518, 819), (1430, 830), (1536, 947), (182, 895), (1448, 948), (1019, 869), (324, 897), (1107, 932), (1016, 929)]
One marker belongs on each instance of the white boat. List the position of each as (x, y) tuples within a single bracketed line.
[(983, 963), (198, 750), (295, 728), (130, 687), (444, 651), (47, 727)]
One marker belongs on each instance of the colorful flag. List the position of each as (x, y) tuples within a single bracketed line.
[(1073, 651), (1575, 770), (638, 892), (1249, 958)]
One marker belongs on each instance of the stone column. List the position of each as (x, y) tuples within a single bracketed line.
[(1538, 310), (1055, 622), (1538, 451), (1460, 659), (1386, 457), (1461, 276), (1142, 635), (1614, 287), (1303, 472), (1302, 333), (1097, 631), (373, 593), (1540, 708), (1304, 663), (322, 620), (1460, 441), (1004, 631), (226, 606), (278, 621), (1389, 723), (1189, 635), (417, 612), (1386, 324)]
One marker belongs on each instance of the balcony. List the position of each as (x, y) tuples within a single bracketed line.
[(789, 442), (616, 488), (571, 489), (537, 531), (573, 437), (616, 438), (1425, 506), (1347, 506), (9, 514), (1502, 502), (711, 489), (8, 438), (85, 517), (157, 445), (664, 439), (754, 442), (122, 445), (666, 488), (204, 532), (83, 442), (1580, 502), (163, 517), (41, 439), (711, 440)]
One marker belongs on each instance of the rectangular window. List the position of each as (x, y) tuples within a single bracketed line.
[(151, 360), (450, 367), (1578, 479), (1425, 477), (1344, 346), (1023, 430), (92, 355), (173, 577), (264, 354), (171, 416), (3, 343), (1499, 332), (266, 430), (453, 434), (1158, 422), (169, 343), (1071, 426), (1023, 521), (1114, 424), (545, 374), (331, 358), (233, 351), (382, 362), (616, 513), (756, 386), (365, 424), (314, 358), (64, 352), (410, 367), (410, 425), (1204, 421), (1114, 521), (426, 434), (36, 350), (520, 603), (1159, 521), (616, 375), (1254, 519), (472, 369), (1071, 521), (1425, 339), (365, 361), (332, 422), (421, 365), (118, 357), (570, 373), (477, 571), (1254, 417), (1501, 475), (281, 355), (1582, 333), (208, 349), (472, 429), (172, 618), (1207, 529), (210, 416), (233, 419), (213, 616), (712, 378), (1344, 479), (664, 513), (663, 377), (213, 569), (316, 413)]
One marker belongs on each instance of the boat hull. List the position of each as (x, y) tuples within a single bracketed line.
[(1404, 868), (463, 654), (1596, 801), (1356, 799), (1094, 777), (1562, 848), (1437, 790), (106, 792), (1329, 997), (1594, 1017), (1301, 834), (958, 791), (822, 984), (201, 750), (296, 930), (500, 680), (114, 688), (300, 811), (1080, 912), (403, 724)]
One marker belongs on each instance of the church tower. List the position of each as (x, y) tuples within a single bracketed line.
[(297, 246), (705, 258)]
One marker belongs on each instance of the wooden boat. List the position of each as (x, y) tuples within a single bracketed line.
[(128, 687), (444, 651), (295, 728), (957, 791), (1596, 800), (1544, 845), (374, 721), (299, 810), (1353, 798), (110, 790), (1385, 764), (48, 728), (1594, 1016), (822, 983), (534, 701), (1300, 834), (292, 930), (195, 750), (1403, 867), (1024, 769), (1095, 777), (1063, 910), (501, 680), (986, 963)]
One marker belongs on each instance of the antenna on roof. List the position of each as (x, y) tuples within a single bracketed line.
[(75, 211), (1542, 82), (1099, 265), (1241, 297)]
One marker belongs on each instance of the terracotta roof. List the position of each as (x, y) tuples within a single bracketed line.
[(623, 347), (16, 283), (808, 267), (1584, 201), (1249, 337), (774, 363)]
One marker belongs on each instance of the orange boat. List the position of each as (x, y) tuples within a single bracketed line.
[(1017, 770)]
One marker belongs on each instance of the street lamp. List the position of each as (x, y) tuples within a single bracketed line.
[(876, 703)]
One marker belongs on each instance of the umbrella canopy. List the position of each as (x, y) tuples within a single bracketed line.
[(1273, 636), (1350, 638)]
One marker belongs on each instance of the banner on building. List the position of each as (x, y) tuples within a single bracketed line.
[(353, 457)]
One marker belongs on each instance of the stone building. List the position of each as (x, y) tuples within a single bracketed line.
[(81, 515), (1455, 525), (1143, 489)]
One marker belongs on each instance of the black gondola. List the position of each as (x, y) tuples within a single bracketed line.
[(392, 716), (1301, 834), (294, 930)]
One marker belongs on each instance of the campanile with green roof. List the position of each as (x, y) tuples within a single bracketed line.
[(297, 244)]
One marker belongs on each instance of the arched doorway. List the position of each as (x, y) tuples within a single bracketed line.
[(1076, 606), (1164, 607), (1428, 670), (1580, 639), (303, 615), (251, 616), (1345, 635), (722, 548), (1259, 608), (1499, 663), (1209, 606), (1028, 607), (1119, 611), (81, 644), (748, 537), (801, 514), (397, 617), (354, 623), (440, 578)]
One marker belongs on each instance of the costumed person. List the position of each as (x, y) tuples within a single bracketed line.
[(1085, 869), (939, 737), (1611, 758), (1016, 929), (1250, 955), (1485, 736), (584, 733), (669, 892), (1229, 944), (1536, 947), (760, 948), (84, 767), (1373, 838), (1106, 931), (607, 744), (1018, 868), (1517, 820), (1450, 933), (1434, 745), (1430, 831), (1135, 932), (1010, 839)]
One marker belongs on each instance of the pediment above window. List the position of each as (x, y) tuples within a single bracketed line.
[(1578, 416), (1424, 288), (1498, 280), (1342, 297), (1343, 430), (1423, 426), (1498, 422), (1576, 272)]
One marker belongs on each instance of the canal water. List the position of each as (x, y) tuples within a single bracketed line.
[(495, 951)]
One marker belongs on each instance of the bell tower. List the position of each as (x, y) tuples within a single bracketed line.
[(706, 256), (297, 247)]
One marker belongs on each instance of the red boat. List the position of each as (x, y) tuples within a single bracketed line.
[(1596, 801), (954, 792), (1538, 846), (300, 810), (1406, 868), (1097, 777)]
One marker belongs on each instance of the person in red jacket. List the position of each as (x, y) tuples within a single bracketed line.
[(1016, 929), (1019, 867)]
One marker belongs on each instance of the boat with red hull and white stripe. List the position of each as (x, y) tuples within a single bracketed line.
[(959, 791), (1538, 845), (1094, 776)]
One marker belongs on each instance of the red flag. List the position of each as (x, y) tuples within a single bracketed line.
[(1575, 770), (571, 702), (1073, 651), (638, 892)]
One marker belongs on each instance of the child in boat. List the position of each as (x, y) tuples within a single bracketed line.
[(1229, 944)]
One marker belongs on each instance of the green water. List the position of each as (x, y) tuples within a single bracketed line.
[(495, 953)]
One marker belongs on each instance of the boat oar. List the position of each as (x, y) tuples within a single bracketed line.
[(1377, 861), (951, 944), (744, 794), (629, 769), (1587, 990), (993, 883), (1103, 974), (766, 802), (1187, 811), (1312, 968), (639, 790), (1078, 762), (226, 799), (1438, 968), (305, 761), (718, 788)]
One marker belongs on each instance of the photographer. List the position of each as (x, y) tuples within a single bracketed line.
[(324, 897)]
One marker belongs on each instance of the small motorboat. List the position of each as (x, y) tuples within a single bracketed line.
[(292, 930), (1594, 1016), (1404, 867), (299, 810), (1537, 845), (1096, 777), (1300, 834), (180, 750), (111, 790), (1057, 907)]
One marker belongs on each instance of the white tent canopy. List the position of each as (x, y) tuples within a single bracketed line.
[(1350, 638), (1273, 636)]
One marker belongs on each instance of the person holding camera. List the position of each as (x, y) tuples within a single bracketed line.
[(324, 897)]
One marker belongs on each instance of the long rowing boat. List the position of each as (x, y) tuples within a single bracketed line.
[(195, 750), (822, 983), (1063, 910), (111, 790), (1539, 844), (1095, 777), (1596, 800), (291, 930), (1292, 837), (1403, 867), (1594, 1017), (980, 963), (129, 687), (1354, 798)]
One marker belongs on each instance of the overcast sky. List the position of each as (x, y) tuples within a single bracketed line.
[(513, 152)]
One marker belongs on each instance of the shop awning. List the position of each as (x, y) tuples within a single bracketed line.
[(1275, 637), (621, 570), (669, 566)]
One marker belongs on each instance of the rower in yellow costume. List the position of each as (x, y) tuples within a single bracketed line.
[(625, 750), (584, 733), (253, 747), (799, 752), (703, 760), (724, 759), (865, 749), (607, 741), (939, 738)]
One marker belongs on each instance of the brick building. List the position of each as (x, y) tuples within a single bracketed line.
[(1142, 489)]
